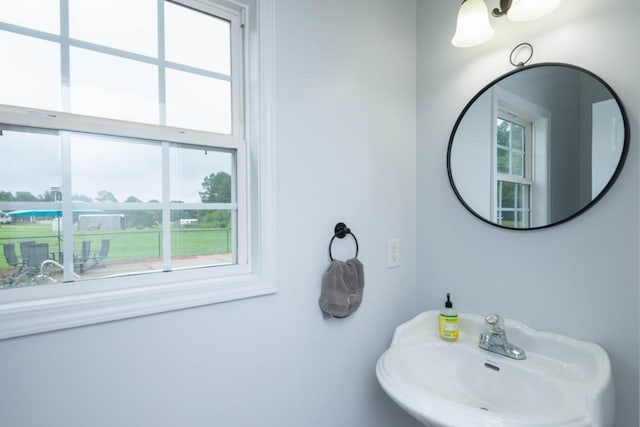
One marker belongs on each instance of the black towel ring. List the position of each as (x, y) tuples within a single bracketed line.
[(341, 231)]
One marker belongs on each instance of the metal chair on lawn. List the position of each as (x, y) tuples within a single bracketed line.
[(104, 252), (79, 262), (37, 254), (24, 251), (10, 256)]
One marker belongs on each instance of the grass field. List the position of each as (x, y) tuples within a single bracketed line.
[(125, 245)]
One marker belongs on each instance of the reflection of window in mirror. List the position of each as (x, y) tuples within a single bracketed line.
[(519, 175), (513, 171)]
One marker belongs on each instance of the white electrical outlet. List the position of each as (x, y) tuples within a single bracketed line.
[(393, 253)]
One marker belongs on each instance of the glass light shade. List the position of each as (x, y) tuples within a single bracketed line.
[(473, 26), (526, 10)]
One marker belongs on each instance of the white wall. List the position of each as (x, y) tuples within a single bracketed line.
[(471, 156), (345, 152), (579, 278)]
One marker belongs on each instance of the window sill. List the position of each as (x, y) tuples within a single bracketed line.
[(24, 316)]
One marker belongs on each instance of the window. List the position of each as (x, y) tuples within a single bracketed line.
[(519, 175), (127, 144), (513, 172)]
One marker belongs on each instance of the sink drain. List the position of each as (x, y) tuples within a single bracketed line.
[(484, 409), (492, 366)]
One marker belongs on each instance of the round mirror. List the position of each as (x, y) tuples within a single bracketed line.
[(537, 146)]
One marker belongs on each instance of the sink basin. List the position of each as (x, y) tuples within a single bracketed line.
[(562, 382)]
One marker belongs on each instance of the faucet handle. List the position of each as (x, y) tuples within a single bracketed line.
[(494, 322)]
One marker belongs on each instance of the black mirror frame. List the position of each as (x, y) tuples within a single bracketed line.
[(612, 180)]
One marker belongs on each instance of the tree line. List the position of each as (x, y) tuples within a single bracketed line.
[(216, 188)]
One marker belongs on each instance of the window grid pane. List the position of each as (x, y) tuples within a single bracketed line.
[(113, 87), (103, 80), (30, 72), (510, 148), (513, 204), (198, 102), (41, 15), (196, 39), (117, 222), (104, 23)]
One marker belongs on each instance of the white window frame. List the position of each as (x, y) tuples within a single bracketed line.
[(37, 309), (525, 180), (538, 174)]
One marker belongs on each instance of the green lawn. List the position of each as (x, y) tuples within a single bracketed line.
[(131, 244)]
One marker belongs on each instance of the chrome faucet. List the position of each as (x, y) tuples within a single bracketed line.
[(495, 339)]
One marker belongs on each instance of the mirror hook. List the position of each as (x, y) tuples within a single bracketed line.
[(516, 50)]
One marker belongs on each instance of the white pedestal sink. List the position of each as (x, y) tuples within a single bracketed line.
[(563, 382)]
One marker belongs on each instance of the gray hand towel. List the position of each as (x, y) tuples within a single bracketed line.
[(342, 287)]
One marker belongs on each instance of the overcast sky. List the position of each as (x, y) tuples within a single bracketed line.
[(32, 162)]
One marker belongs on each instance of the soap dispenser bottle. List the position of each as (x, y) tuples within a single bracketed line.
[(448, 321)]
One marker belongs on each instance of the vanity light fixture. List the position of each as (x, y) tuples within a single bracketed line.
[(473, 27)]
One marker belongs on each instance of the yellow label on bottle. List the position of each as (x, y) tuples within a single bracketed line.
[(449, 327)]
